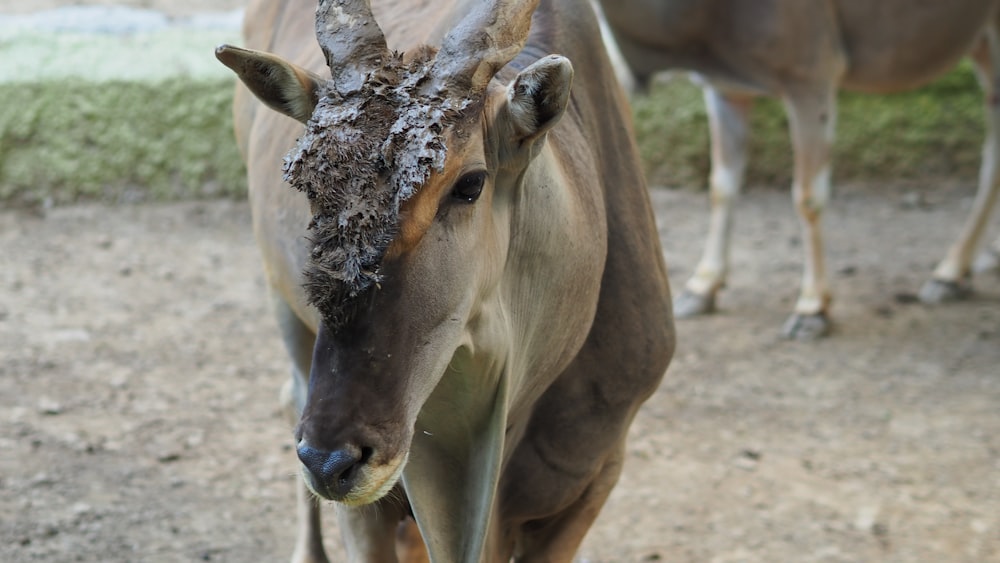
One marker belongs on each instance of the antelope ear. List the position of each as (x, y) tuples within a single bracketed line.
[(537, 98), (281, 85)]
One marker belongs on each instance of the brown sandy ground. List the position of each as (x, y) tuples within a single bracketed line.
[(139, 371)]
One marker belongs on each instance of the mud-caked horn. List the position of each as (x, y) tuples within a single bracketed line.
[(485, 40), (351, 40)]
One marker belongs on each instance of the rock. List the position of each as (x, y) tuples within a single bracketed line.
[(867, 518), (168, 457), (49, 407), (913, 200), (747, 459)]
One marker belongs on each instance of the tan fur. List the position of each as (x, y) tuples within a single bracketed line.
[(416, 217), (419, 212)]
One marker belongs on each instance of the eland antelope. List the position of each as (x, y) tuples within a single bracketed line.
[(803, 52), (465, 266)]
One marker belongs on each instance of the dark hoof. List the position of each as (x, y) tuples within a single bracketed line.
[(941, 291), (689, 304), (805, 328)]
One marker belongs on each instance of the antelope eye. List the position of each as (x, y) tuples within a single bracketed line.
[(469, 186)]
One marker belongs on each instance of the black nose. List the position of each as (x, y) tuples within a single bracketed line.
[(333, 473)]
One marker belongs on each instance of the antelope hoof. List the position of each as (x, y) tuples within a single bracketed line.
[(806, 328), (690, 304), (936, 291)]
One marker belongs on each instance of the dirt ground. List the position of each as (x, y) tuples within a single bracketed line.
[(140, 367)]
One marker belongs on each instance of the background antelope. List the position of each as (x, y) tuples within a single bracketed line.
[(803, 52)]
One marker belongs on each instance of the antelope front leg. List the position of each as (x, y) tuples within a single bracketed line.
[(559, 538), (370, 532), (309, 540), (309, 537), (299, 339), (812, 117), (727, 117), (951, 279)]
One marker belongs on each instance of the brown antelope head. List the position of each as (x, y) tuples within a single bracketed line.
[(412, 164)]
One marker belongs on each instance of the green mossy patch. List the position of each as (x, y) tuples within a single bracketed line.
[(79, 140), (936, 131), (118, 141)]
